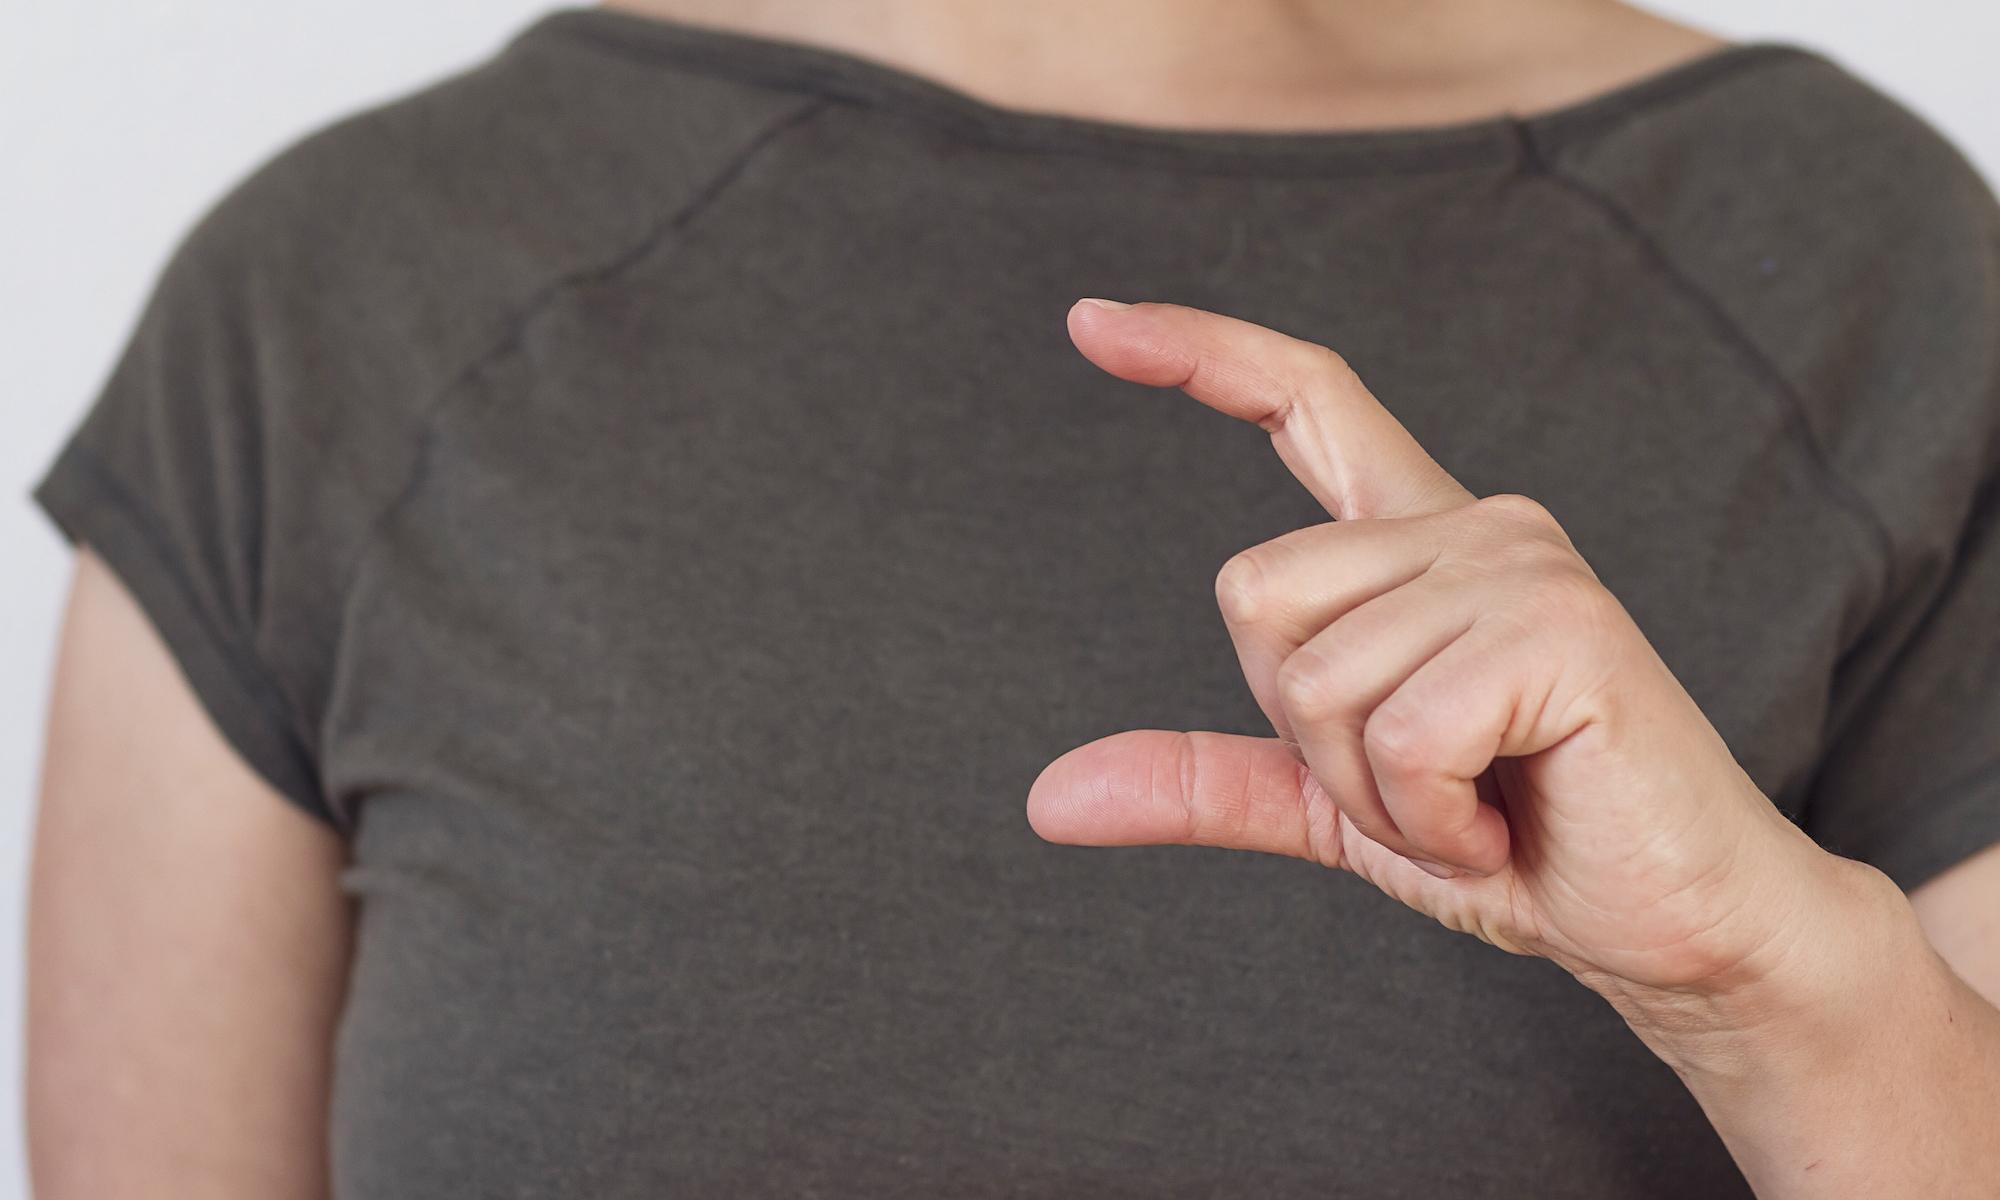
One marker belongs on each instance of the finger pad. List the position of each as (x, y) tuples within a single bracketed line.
[(1099, 794), (1124, 342)]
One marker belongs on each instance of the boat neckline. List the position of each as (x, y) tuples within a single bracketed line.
[(853, 78)]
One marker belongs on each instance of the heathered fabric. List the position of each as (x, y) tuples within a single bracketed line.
[(639, 490)]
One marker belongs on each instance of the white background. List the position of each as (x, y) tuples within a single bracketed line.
[(121, 121)]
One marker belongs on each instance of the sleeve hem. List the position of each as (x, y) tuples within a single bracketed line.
[(1924, 840), (90, 507)]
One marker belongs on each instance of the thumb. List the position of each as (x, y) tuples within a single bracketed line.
[(1159, 787)]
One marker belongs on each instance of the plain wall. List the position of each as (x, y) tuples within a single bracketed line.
[(120, 122)]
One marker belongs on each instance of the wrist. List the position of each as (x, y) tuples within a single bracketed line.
[(1843, 943)]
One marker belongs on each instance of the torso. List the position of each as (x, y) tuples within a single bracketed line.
[(688, 696)]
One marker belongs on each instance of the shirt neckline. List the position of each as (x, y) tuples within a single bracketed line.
[(855, 79)]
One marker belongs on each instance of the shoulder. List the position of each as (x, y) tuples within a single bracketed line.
[(436, 213), (1847, 243), (1770, 133), (274, 394)]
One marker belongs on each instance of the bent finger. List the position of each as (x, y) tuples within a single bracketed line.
[(1331, 687), (1434, 739), (1277, 595)]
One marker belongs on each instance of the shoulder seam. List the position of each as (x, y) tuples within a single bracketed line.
[(1733, 335), (509, 337), (1554, 131)]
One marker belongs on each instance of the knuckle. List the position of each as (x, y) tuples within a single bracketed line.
[(1306, 374), (1513, 506), (1570, 597), (1398, 739), (1308, 687), (1535, 561), (1239, 588), (1329, 364)]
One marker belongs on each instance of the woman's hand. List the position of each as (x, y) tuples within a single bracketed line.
[(1467, 718)]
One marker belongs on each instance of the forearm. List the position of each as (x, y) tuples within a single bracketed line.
[(1862, 1067)]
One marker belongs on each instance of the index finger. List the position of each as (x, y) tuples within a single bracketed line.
[(1349, 451)]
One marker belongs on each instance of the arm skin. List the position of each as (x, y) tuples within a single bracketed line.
[(1468, 720), (1960, 914), (187, 939), (1871, 1068)]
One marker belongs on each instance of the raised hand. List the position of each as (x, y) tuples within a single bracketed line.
[(1466, 717)]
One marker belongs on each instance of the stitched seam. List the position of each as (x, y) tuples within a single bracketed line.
[(1553, 131), (509, 337), (1737, 339), (1980, 514), (816, 80), (788, 65)]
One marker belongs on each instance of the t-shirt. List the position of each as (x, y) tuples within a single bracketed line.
[(639, 490)]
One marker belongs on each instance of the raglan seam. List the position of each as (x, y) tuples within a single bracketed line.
[(1973, 779), (1552, 132), (433, 410), (1732, 334)]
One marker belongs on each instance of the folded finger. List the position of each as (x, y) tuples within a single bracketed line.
[(1431, 743), (1331, 686), (1276, 595)]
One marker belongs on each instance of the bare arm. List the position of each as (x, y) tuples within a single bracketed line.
[(1960, 914), (1870, 1067), (187, 940)]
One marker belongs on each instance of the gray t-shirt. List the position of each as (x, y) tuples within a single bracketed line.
[(639, 490)]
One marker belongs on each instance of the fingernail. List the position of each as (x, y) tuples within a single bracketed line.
[(1114, 305), (1437, 869)]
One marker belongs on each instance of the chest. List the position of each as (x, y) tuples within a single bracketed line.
[(836, 518), (690, 697)]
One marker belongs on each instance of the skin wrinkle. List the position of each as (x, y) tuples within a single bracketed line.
[(1188, 765), (1701, 995), (1665, 898), (1249, 791), (1321, 818)]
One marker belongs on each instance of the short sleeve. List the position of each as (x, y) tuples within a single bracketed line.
[(1911, 781), (245, 457), (167, 479)]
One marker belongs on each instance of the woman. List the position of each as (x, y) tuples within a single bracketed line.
[(583, 562)]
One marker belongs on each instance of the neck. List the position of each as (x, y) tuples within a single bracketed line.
[(1236, 64)]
